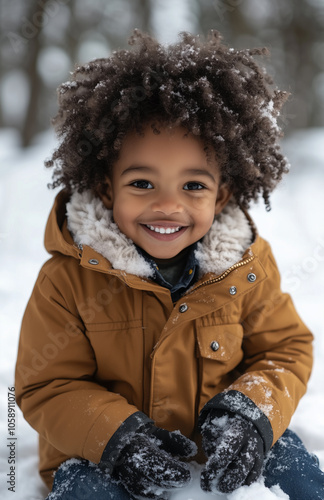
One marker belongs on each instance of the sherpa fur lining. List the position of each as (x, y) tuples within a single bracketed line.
[(226, 241), (92, 224)]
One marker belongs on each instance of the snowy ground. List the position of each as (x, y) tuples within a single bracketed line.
[(294, 227)]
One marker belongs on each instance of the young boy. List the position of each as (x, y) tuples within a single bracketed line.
[(158, 324)]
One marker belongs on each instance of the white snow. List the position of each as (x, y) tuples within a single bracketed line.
[(256, 491), (294, 227)]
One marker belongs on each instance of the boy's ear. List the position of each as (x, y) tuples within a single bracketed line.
[(223, 196), (105, 193)]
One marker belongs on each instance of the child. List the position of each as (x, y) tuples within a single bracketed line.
[(158, 324)]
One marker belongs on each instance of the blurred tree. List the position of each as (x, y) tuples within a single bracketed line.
[(36, 34), (291, 30), (42, 39), (21, 41), (29, 124), (145, 8), (71, 33), (2, 124)]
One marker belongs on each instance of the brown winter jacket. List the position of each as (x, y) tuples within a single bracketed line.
[(101, 341)]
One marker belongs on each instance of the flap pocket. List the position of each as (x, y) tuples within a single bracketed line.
[(220, 342), (114, 326)]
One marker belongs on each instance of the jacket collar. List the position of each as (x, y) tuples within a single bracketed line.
[(92, 224)]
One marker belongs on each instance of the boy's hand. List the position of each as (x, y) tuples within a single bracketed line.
[(146, 466), (234, 449)]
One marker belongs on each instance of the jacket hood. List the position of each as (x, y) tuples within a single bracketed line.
[(92, 224)]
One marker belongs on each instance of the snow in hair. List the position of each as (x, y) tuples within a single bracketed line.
[(215, 92)]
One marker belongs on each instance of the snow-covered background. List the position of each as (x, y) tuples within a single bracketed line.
[(294, 227)]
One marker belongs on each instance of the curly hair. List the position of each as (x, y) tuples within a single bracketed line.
[(217, 93)]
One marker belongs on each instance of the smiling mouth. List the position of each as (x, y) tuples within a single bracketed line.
[(163, 230)]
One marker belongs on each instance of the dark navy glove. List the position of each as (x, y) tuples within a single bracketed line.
[(235, 452), (146, 465)]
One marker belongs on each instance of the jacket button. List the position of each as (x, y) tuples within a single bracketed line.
[(94, 262), (233, 290), (214, 345), (183, 308), (251, 277)]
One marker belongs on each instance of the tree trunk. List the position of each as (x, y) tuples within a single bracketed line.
[(145, 15), (1, 61), (35, 84)]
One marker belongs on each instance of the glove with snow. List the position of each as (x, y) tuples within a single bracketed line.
[(146, 466), (234, 449)]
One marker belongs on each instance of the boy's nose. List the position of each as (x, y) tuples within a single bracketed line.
[(167, 204)]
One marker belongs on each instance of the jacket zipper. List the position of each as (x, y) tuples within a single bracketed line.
[(224, 274)]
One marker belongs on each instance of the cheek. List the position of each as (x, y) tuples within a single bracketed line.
[(205, 205), (125, 210), (120, 212)]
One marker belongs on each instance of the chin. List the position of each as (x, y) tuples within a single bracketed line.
[(157, 255), (164, 256)]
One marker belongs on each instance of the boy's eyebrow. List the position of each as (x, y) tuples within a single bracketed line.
[(192, 171), (134, 168), (200, 171)]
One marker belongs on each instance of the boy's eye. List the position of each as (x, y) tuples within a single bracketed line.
[(142, 184), (193, 186)]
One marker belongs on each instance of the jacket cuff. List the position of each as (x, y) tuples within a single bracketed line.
[(121, 437), (237, 402)]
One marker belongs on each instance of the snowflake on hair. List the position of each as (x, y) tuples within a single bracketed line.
[(216, 92)]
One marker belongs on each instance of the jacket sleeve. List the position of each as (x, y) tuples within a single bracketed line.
[(55, 379), (277, 359)]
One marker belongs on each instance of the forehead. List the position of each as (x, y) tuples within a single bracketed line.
[(176, 144)]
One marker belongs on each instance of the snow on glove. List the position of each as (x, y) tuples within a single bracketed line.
[(146, 466), (235, 450)]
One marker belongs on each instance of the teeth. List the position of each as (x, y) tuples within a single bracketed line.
[(163, 230)]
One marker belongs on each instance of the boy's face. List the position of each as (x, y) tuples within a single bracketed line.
[(163, 192)]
